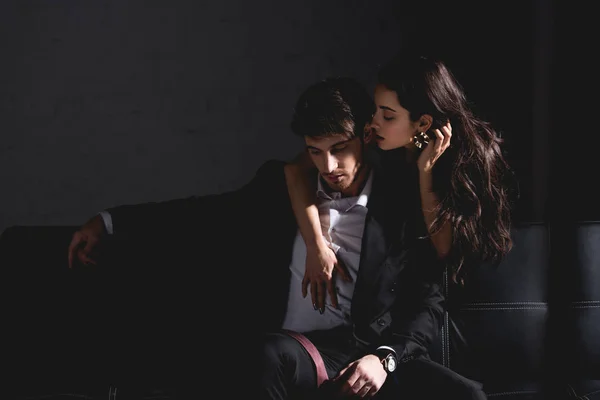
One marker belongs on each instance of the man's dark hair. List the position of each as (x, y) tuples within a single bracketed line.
[(333, 106)]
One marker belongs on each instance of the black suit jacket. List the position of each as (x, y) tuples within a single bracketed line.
[(397, 300)]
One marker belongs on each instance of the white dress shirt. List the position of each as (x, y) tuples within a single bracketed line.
[(342, 224)]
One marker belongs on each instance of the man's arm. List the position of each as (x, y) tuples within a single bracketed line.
[(192, 214), (417, 315), (416, 321), (196, 221)]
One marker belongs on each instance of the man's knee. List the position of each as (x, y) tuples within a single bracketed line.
[(283, 353), (473, 392), (278, 349), (467, 389), (426, 380), (288, 371)]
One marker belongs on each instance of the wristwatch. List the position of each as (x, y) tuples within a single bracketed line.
[(389, 363)]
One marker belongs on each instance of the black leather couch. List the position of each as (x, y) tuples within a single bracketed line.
[(528, 328)]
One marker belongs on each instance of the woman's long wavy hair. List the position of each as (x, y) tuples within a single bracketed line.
[(472, 177)]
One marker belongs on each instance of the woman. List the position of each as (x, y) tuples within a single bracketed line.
[(458, 168)]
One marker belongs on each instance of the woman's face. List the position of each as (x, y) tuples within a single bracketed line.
[(391, 125)]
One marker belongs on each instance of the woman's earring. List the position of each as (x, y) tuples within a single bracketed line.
[(420, 140)]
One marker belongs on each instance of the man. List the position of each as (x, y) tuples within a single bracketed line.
[(389, 309)]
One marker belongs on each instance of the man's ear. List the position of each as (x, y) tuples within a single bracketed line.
[(425, 122)]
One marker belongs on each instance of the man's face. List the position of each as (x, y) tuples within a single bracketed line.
[(339, 160)]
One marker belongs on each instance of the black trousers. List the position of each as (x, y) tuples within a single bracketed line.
[(290, 374)]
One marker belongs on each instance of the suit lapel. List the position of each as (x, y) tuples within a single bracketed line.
[(382, 231), (373, 251)]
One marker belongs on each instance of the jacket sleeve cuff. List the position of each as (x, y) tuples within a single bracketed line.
[(106, 217), (386, 350)]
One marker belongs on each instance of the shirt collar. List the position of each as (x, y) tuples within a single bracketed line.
[(361, 200)]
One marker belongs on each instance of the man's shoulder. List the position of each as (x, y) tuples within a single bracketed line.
[(391, 198), (271, 168), (269, 183), (270, 176), (386, 183), (268, 195)]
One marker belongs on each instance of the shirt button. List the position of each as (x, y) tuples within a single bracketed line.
[(380, 322)]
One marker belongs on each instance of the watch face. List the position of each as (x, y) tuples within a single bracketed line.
[(391, 364)]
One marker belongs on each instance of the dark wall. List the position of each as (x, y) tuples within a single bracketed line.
[(575, 155), (493, 50), (111, 102)]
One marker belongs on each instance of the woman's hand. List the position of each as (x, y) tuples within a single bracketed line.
[(319, 274), (435, 148), (442, 238)]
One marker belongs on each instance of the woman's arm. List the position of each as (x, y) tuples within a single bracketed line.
[(442, 239), (320, 258), (302, 190)]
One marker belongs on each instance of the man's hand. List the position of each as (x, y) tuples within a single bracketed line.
[(320, 264), (86, 240), (362, 378)]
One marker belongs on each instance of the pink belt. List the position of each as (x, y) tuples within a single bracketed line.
[(314, 355)]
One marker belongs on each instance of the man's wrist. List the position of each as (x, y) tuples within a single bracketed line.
[(388, 358), (383, 351), (106, 222), (389, 348)]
